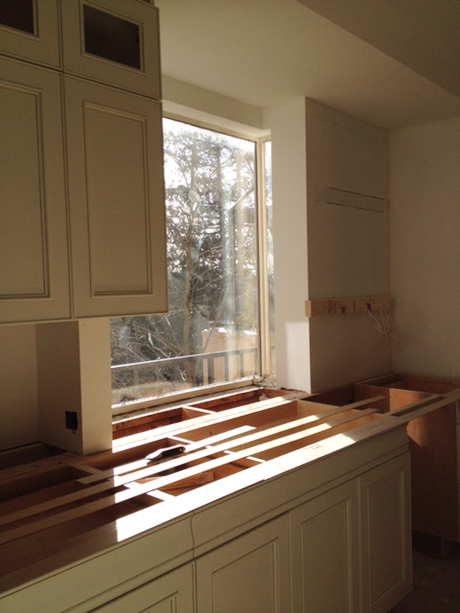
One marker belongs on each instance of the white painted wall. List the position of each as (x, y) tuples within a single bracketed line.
[(425, 247), (289, 190), (46, 369), (348, 247), (324, 250), (73, 364), (18, 386)]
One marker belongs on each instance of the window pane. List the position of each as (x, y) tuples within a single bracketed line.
[(18, 14), (112, 38), (210, 334)]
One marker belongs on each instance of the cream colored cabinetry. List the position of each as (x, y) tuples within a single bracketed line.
[(259, 520), (325, 550), (386, 534), (34, 281), (115, 187), (105, 208), (113, 42), (249, 574), (30, 30), (171, 593), (350, 547), (347, 550)]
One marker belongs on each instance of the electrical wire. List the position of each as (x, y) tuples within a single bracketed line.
[(383, 326)]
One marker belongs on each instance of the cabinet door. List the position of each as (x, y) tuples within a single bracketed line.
[(33, 225), (325, 553), (247, 575), (386, 534), (114, 42), (29, 30), (116, 195), (172, 593)]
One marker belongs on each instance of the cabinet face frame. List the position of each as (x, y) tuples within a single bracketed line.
[(41, 47), (44, 220), (98, 288), (146, 79)]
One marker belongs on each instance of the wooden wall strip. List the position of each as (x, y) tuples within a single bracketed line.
[(335, 306)]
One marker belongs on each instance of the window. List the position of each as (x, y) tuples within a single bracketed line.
[(217, 329)]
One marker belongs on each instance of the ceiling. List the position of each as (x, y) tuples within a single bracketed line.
[(389, 62)]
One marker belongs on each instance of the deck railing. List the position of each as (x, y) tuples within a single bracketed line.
[(136, 379)]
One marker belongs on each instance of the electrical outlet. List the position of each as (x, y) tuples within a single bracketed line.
[(71, 420)]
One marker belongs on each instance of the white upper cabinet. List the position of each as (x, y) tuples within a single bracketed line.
[(33, 226), (104, 43), (81, 172), (29, 30), (116, 198)]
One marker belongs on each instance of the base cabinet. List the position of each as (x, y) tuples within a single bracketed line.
[(172, 593), (347, 550), (249, 574), (324, 534), (386, 534), (325, 553)]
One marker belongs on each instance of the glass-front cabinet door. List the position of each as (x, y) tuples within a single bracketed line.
[(106, 43), (29, 30)]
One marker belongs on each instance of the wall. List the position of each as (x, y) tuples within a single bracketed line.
[(289, 191), (73, 366), (321, 250), (348, 246), (425, 247), (47, 369), (327, 250), (18, 386)]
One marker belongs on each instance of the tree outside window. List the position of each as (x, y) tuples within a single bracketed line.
[(210, 333)]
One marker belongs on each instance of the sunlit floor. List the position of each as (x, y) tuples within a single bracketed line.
[(436, 584)]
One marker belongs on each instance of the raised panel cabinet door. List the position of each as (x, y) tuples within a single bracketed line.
[(386, 534), (116, 197), (247, 575), (114, 42), (29, 29), (325, 553), (171, 593), (34, 272)]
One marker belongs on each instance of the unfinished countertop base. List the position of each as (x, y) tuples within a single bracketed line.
[(237, 504)]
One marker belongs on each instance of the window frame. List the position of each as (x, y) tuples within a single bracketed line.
[(264, 361)]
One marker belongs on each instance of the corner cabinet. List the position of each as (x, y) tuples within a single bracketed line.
[(83, 220)]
